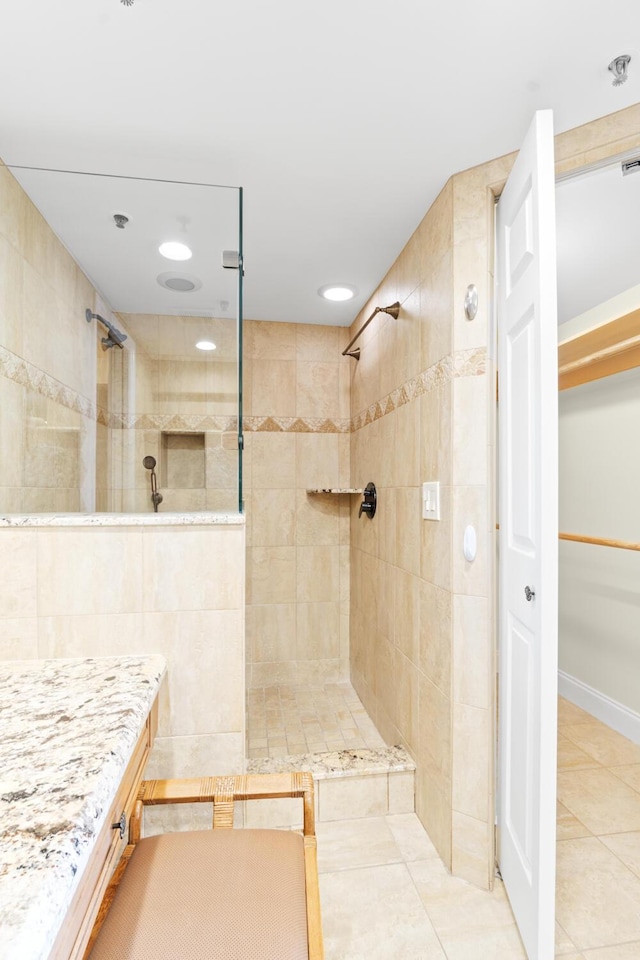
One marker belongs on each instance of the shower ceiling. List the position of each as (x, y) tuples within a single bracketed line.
[(341, 121)]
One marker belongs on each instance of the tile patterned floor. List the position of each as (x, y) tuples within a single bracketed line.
[(387, 896), (292, 719)]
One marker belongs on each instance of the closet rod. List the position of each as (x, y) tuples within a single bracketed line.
[(600, 542)]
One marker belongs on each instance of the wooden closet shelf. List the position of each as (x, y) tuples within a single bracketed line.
[(601, 352), (600, 541)]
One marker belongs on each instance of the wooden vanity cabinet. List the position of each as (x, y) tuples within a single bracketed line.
[(73, 938)]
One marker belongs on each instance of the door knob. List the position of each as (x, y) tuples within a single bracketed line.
[(529, 593)]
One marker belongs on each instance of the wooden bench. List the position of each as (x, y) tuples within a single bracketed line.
[(218, 894)]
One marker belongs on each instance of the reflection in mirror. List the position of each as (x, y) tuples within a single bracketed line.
[(80, 270)]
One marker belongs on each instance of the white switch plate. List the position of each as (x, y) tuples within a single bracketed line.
[(431, 500)]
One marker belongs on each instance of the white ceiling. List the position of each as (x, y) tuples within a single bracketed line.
[(342, 121)]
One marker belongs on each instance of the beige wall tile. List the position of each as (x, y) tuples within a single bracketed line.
[(472, 652), (406, 706), (352, 797), (406, 606), (436, 335), (436, 546), (319, 342), (406, 457), (273, 386), (92, 635), (18, 583), (318, 573), (270, 340), (435, 635), (402, 795), (436, 435), (469, 850), (317, 519), (271, 574), (408, 519), (318, 631), (19, 639), (470, 776), (273, 460), (11, 297), (470, 451), (317, 389), (317, 460), (205, 668), (193, 569), (273, 518), (271, 632)]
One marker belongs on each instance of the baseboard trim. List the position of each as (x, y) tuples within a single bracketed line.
[(614, 714)]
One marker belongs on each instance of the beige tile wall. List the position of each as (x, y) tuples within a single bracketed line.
[(298, 544), (47, 448), (169, 396), (436, 694), (175, 591)]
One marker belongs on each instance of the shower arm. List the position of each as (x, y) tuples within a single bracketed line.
[(393, 310), (114, 338)]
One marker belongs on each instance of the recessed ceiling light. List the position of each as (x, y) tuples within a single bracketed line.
[(205, 345), (337, 291), (173, 250)]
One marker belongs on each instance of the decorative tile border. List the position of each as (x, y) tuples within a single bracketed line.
[(27, 375), (464, 363), (295, 425)]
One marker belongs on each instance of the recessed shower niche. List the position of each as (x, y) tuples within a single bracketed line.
[(80, 410)]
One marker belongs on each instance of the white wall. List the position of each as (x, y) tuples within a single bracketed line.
[(599, 597)]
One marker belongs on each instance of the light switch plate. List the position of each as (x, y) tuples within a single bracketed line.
[(431, 500)]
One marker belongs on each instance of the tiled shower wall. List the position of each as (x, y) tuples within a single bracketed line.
[(296, 389), (47, 365), (419, 405), (423, 408)]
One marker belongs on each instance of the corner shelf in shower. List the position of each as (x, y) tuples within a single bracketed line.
[(336, 490)]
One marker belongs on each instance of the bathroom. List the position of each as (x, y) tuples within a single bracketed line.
[(304, 590)]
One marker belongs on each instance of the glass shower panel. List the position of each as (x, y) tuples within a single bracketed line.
[(158, 412)]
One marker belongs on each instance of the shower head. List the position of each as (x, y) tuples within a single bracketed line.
[(149, 463), (114, 337)]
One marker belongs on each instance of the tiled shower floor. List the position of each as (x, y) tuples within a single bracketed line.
[(293, 719)]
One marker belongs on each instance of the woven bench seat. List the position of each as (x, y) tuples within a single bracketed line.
[(218, 894)]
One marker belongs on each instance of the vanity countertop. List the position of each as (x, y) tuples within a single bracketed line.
[(68, 728)]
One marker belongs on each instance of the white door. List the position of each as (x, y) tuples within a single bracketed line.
[(528, 514)]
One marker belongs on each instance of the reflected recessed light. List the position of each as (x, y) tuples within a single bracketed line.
[(337, 291), (173, 250), (205, 345)]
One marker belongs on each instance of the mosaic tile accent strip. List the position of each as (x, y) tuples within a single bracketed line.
[(464, 363), (172, 421), (295, 425), (27, 375)]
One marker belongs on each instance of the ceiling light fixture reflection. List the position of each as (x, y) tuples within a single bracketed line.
[(205, 345), (173, 250), (337, 291)]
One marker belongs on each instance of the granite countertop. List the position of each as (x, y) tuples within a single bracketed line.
[(204, 518), (68, 732)]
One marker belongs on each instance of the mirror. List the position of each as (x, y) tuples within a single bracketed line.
[(111, 352)]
